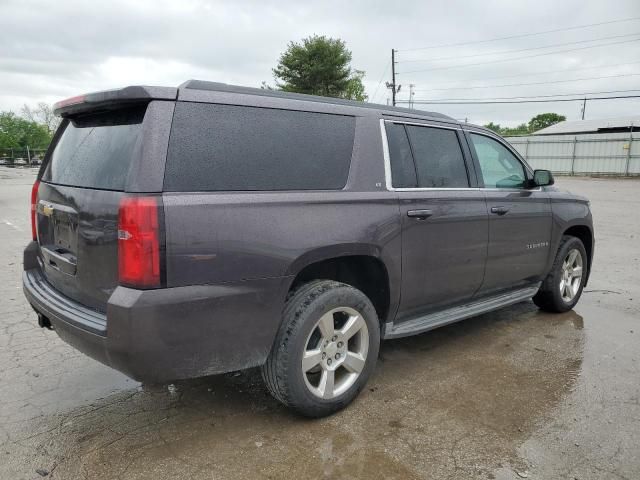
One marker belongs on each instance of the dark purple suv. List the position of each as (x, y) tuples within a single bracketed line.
[(183, 232)]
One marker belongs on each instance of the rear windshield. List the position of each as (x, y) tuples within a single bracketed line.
[(234, 148), (95, 151)]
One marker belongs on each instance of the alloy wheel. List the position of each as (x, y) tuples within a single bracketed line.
[(335, 352), (571, 275)]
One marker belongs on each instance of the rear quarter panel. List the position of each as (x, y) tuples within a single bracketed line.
[(227, 237)]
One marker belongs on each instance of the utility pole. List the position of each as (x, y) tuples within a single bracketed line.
[(584, 107), (394, 88), (393, 77)]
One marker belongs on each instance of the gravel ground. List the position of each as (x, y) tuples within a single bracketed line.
[(508, 395)]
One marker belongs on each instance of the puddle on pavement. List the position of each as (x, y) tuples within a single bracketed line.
[(461, 399)]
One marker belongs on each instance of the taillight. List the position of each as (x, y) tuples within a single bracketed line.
[(67, 102), (34, 205), (139, 242)]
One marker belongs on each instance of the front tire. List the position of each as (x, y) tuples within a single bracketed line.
[(325, 350), (562, 288)]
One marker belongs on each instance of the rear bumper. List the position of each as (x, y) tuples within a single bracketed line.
[(172, 333), (56, 307)]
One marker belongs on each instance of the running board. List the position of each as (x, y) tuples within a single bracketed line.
[(455, 314)]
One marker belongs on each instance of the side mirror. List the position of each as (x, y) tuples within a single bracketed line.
[(542, 178)]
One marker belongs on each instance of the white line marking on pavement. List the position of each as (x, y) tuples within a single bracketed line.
[(11, 225)]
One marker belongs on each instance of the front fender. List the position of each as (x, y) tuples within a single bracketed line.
[(569, 213)]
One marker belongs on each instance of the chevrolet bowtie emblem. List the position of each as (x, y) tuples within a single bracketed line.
[(47, 210)]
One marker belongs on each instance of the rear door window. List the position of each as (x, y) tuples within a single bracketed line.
[(438, 157), (96, 151), (236, 148), (403, 170)]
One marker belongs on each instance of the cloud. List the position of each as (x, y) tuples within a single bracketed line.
[(51, 50)]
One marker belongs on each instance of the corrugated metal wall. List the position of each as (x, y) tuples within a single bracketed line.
[(586, 154)]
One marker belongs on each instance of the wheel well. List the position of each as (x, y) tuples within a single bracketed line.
[(367, 274), (584, 234)]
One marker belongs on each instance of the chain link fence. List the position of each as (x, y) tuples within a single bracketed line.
[(616, 154), (21, 157)]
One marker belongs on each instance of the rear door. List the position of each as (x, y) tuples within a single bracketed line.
[(519, 216), (85, 176), (444, 217)]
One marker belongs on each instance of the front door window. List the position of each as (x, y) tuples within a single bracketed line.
[(499, 167)]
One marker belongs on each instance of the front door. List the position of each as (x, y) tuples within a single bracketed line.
[(519, 216), (444, 217)]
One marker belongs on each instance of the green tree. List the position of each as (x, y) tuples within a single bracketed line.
[(16, 132), (494, 126), (355, 88), (43, 114), (545, 120), (319, 66), (521, 129), (538, 122)]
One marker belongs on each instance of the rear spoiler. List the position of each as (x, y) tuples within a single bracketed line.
[(110, 99)]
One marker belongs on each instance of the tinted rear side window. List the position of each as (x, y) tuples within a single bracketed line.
[(95, 151), (403, 171), (438, 157), (224, 147)]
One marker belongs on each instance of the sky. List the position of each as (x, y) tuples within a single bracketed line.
[(50, 50)]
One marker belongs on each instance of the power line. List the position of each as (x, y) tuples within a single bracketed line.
[(418, 102), (517, 58), (548, 72), (523, 35), (382, 78), (528, 84), (422, 102), (583, 94), (516, 51)]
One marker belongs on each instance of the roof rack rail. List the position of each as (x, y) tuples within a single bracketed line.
[(223, 87)]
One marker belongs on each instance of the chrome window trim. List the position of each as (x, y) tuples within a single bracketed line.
[(487, 189), (385, 154), (437, 189), (432, 125), (387, 166)]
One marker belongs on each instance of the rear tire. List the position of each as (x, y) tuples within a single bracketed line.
[(325, 350), (562, 288)]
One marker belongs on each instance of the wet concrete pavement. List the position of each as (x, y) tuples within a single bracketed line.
[(507, 395)]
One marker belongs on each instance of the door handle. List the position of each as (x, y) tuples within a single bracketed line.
[(499, 210), (419, 214), (60, 260)]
